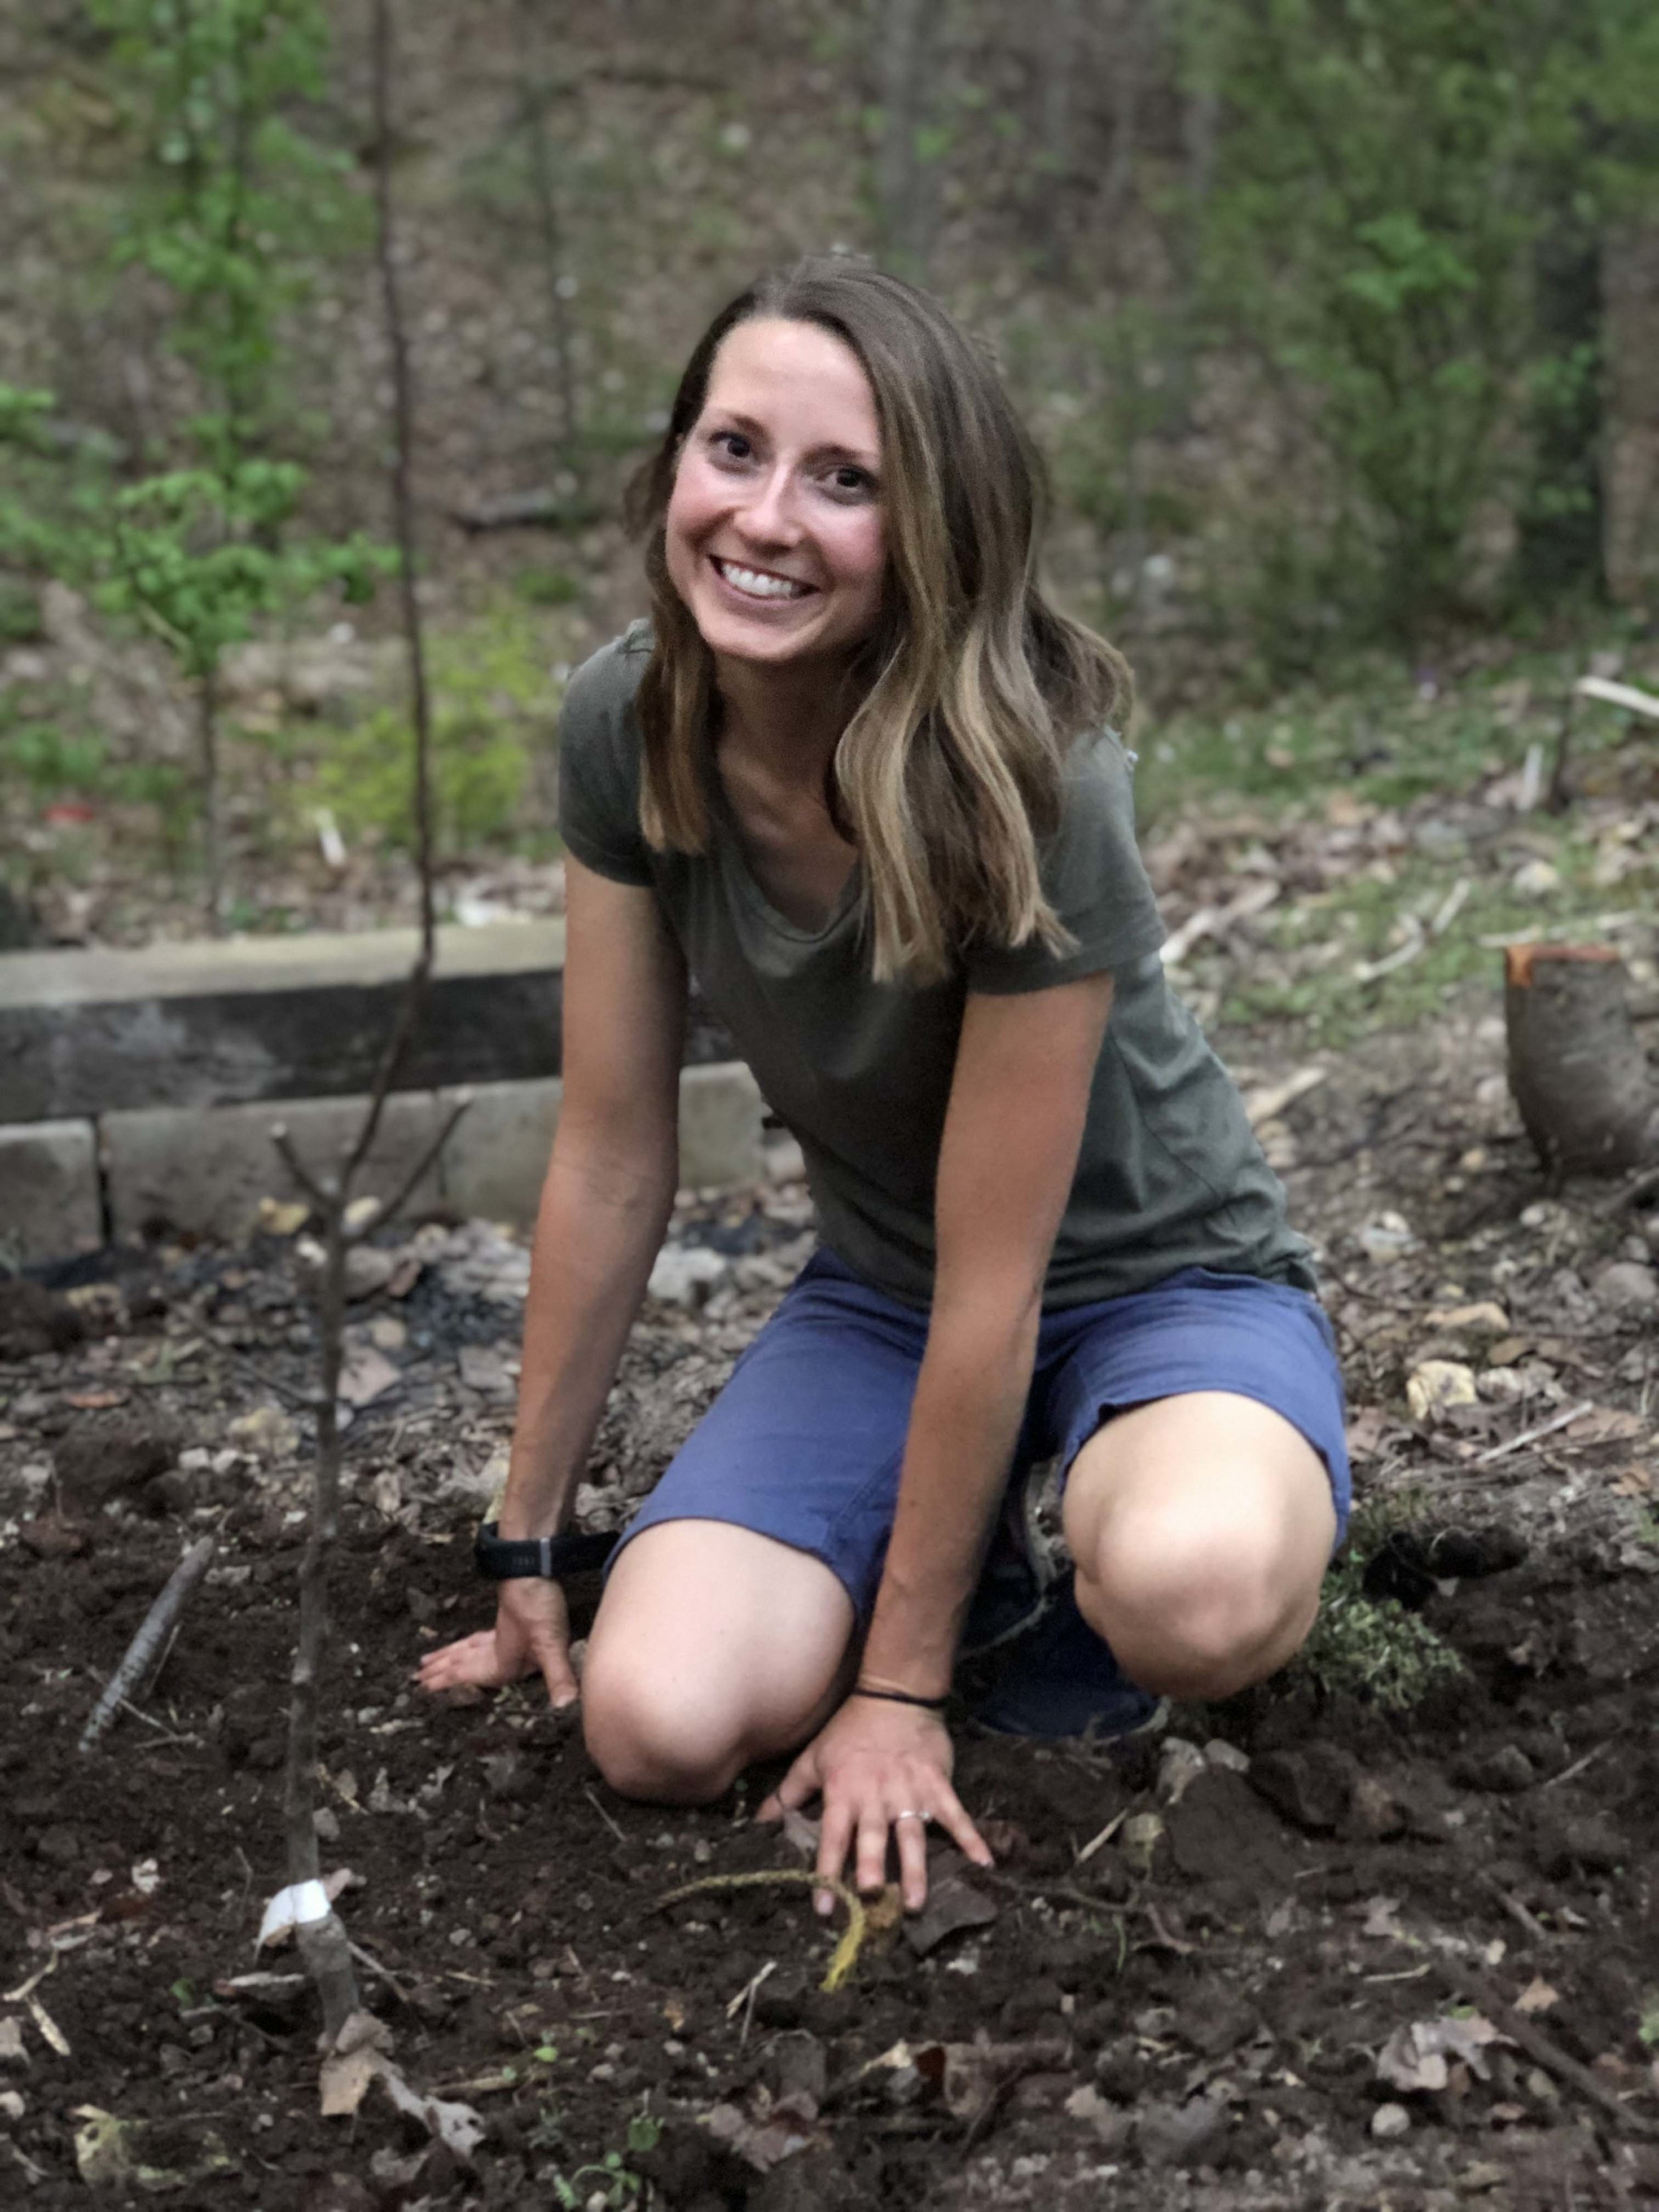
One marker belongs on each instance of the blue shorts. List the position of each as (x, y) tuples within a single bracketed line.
[(807, 1441)]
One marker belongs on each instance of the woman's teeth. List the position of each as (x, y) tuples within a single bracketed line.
[(759, 585)]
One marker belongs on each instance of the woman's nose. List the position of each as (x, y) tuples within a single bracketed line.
[(770, 515)]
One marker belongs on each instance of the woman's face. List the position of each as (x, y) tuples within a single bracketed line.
[(774, 533)]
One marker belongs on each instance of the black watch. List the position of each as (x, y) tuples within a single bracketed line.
[(505, 1559)]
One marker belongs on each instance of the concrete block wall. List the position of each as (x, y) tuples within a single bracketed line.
[(49, 1202), (203, 1170)]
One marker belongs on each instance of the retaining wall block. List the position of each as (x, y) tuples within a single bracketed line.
[(720, 1109), (204, 1169), (49, 1201), (495, 1162)]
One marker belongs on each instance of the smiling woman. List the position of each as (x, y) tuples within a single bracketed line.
[(835, 432), (856, 774)]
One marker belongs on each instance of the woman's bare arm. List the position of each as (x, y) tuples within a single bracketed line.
[(1012, 1131), (604, 1206), (1011, 1137)]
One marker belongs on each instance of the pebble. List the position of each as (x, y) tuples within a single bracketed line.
[(1180, 1764), (1626, 1286), (1218, 1752), (1180, 2135), (1313, 1787), (685, 1274), (1139, 1838), (1388, 2121)]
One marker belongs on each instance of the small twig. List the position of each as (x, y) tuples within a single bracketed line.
[(1628, 1194), (396, 1202), (316, 1190), (140, 1655), (381, 1973), (615, 1830), (1517, 1911), (1367, 971), (1533, 1436), (1467, 1983), (1570, 1774)]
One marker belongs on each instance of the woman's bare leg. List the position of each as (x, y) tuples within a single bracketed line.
[(1202, 1526), (714, 1647)]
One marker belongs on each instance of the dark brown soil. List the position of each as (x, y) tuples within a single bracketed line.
[(1188, 2018), (1221, 2010)]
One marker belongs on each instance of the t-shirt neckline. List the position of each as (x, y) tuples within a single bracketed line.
[(729, 846)]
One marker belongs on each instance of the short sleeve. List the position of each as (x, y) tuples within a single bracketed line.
[(1096, 882), (599, 763)]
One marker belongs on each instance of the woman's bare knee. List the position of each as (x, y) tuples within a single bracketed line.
[(1201, 1527), (1195, 1611), (714, 1646), (650, 1740)]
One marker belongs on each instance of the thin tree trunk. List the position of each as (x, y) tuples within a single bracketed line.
[(907, 39), (322, 1941), (403, 500), (534, 107), (1057, 63), (213, 828)]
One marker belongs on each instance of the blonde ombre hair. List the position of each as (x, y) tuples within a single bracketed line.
[(972, 687)]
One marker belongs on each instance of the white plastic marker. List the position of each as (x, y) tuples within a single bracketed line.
[(297, 1906)]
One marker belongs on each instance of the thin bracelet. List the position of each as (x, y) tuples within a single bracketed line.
[(900, 1698)]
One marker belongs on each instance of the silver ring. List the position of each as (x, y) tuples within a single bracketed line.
[(909, 1814)]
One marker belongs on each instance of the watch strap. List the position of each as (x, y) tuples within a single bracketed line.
[(506, 1558)]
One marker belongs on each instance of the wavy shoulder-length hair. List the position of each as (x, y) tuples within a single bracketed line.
[(973, 687)]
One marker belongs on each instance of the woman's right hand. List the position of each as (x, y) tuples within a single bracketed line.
[(531, 1632)]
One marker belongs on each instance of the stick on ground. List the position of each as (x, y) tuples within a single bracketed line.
[(145, 1647)]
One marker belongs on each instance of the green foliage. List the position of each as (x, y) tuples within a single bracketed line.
[(1368, 733), (232, 197), (198, 556), (1386, 179), (1372, 1649), (494, 707)]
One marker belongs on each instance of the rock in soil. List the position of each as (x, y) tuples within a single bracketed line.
[(1221, 1832), (99, 1460), (34, 1320), (1312, 1787)]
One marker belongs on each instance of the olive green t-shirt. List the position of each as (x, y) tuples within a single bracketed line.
[(1170, 1174)]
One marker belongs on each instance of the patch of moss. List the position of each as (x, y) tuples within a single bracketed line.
[(1369, 1648)]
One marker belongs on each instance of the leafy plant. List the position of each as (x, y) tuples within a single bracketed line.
[(1394, 188), (494, 707), (232, 199)]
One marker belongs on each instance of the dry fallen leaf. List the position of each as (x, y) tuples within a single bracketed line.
[(1485, 1314), (764, 2143), (367, 1375), (1632, 1482), (1537, 1997), (1605, 1424), (1382, 1919), (1365, 1431), (1421, 2054), (1437, 1385)]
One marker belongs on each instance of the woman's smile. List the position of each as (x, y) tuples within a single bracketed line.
[(752, 583)]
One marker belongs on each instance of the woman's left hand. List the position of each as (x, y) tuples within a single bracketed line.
[(882, 1770)]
